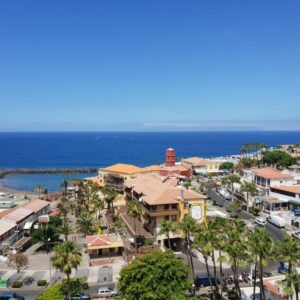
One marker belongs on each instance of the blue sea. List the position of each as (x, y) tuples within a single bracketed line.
[(95, 150)]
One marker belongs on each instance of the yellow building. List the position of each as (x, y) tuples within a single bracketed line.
[(202, 166), (162, 200), (116, 175)]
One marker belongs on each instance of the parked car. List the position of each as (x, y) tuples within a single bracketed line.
[(260, 222), (297, 212), (296, 235), (203, 281), (11, 295), (81, 296), (107, 292)]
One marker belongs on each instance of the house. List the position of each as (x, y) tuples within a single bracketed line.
[(105, 245), (290, 194), (268, 177), (202, 166), (23, 217), (115, 175), (161, 199)]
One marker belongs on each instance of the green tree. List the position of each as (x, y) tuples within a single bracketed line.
[(67, 257), (278, 159), (85, 223), (188, 226), (167, 227), (47, 231), (260, 246), (39, 189), (227, 166), (66, 229), (134, 210), (250, 189), (110, 196), (203, 241), (98, 206), (236, 248), (291, 284), (154, 276), (18, 261), (231, 179), (53, 292)]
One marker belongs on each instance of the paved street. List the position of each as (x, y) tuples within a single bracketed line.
[(277, 234)]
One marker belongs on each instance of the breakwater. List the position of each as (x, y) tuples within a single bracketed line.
[(66, 172)]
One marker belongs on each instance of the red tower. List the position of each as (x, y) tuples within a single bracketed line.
[(170, 157)]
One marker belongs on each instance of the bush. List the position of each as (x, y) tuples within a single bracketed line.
[(17, 284), (41, 282), (254, 211), (149, 241)]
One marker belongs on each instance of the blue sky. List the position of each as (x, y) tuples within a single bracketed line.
[(149, 65)]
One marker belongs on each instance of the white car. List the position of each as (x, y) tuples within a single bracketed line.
[(296, 235), (260, 222), (107, 292)]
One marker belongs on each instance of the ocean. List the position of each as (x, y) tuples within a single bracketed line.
[(96, 150)]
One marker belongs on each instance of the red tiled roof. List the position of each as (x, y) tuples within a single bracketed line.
[(270, 173), (97, 240), (292, 188)]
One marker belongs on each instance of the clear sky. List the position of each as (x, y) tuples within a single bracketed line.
[(149, 65)]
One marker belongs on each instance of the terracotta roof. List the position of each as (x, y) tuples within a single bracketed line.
[(270, 173), (175, 168), (18, 215), (6, 225), (35, 205), (130, 169), (155, 191), (198, 161), (292, 189), (272, 288), (103, 240)]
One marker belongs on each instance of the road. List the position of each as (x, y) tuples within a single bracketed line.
[(32, 294), (277, 234)]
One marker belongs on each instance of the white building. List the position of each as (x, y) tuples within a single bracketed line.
[(265, 178)]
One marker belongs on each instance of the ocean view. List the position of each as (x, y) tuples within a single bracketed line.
[(96, 150)]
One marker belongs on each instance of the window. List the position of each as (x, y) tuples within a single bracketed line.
[(174, 218), (166, 217), (174, 206), (166, 206)]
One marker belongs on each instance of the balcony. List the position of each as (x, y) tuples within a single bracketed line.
[(161, 212)]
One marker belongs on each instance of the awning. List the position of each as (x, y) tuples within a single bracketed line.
[(28, 225)]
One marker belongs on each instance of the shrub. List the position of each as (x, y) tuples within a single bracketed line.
[(41, 282), (17, 284), (149, 241)]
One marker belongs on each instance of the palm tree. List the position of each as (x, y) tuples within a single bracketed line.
[(288, 250), (98, 206), (203, 242), (67, 257), (134, 210), (39, 189), (260, 246), (66, 229), (166, 227), (188, 226), (85, 223), (110, 196), (236, 248), (250, 189), (231, 179), (291, 284)]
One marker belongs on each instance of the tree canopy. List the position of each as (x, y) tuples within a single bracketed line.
[(227, 166), (279, 159), (155, 276)]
